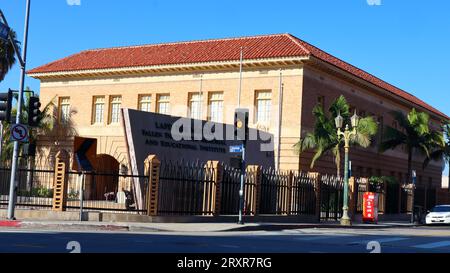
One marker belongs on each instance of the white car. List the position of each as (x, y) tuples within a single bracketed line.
[(438, 215)]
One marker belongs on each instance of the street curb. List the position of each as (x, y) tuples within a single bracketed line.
[(132, 228), (287, 227), (16, 224)]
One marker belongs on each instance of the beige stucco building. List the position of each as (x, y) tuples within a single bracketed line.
[(201, 79)]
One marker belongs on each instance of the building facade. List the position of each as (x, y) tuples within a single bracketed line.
[(283, 78)]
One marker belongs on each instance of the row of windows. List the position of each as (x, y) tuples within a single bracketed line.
[(263, 102)]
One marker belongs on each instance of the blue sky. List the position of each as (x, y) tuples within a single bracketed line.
[(404, 42)]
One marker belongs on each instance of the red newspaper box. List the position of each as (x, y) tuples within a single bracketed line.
[(370, 207)]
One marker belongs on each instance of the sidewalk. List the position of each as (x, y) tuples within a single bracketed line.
[(184, 227)]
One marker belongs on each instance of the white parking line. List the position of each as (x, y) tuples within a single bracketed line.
[(381, 240), (433, 245)]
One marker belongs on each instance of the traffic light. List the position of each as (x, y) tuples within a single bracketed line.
[(34, 114), (5, 106), (29, 149), (241, 130)]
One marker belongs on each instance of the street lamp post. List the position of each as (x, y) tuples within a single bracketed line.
[(346, 134)]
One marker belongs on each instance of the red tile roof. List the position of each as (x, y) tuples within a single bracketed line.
[(256, 47)]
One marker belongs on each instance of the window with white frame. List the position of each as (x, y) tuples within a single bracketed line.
[(216, 107), (114, 109), (195, 105), (263, 105), (99, 110), (164, 104), (64, 110), (145, 103)]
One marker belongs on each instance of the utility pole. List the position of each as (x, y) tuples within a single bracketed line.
[(413, 189), (23, 59), (1, 139), (241, 123)]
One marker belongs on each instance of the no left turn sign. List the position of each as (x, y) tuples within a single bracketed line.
[(19, 133)]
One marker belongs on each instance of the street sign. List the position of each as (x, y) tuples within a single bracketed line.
[(19, 133), (85, 152), (237, 149), (4, 32)]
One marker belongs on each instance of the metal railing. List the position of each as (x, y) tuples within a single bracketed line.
[(185, 188), (274, 192), (191, 189), (229, 191), (106, 192), (331, 197), (34, 188), (303, 195)]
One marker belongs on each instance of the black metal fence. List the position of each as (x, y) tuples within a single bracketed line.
[(274, 192), (191, 189), (393, 196), (186, 188), (107, 192), (34, 188), (303, 194), (286, 192), (101, 192), (229, 191), (331, 197), (425, 198)]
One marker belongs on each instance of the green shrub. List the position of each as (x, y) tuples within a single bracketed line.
[(42, 192), (73, 195)]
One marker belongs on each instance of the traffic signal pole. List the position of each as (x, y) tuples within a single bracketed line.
[(13, 186), (241, 190), (1, 139)]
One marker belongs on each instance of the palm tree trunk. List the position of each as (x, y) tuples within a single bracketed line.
[(410, 155)]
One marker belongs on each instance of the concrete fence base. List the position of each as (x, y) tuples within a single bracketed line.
[(48, 215)]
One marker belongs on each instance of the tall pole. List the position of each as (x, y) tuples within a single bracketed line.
[(345, 217), (1, 139), (280, 116), (345, 220), (240, 76), (241, 190), (13, 186), (413, 188)]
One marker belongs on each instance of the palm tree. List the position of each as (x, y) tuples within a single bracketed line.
[(441, 147), (415, 135), (7, 56), (324, 138)]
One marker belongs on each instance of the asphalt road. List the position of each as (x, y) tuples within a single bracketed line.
[(393, 240)]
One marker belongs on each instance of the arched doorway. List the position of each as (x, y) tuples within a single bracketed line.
[(106, 178)]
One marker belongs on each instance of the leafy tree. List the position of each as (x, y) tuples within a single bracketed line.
[(415, 135), (7, 56), (324, 138), (441, 147)]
